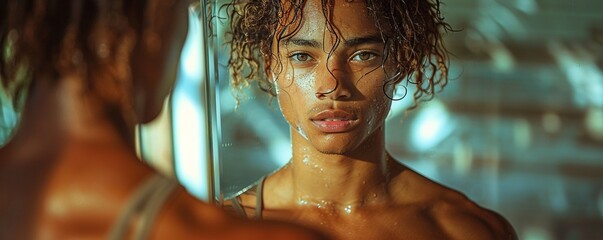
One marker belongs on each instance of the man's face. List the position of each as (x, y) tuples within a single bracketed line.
[(331, 90)]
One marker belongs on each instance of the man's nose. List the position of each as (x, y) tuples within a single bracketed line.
[(332, 81)]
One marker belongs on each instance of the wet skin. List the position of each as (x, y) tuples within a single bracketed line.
[(340, 178), (335, 101)]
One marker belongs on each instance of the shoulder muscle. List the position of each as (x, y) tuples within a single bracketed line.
[(460, 218)]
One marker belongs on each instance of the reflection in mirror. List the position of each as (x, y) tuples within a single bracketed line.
[(334, 78), (518, 128)]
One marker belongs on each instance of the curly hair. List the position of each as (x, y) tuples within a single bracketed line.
[(411, 30), (41, 40)]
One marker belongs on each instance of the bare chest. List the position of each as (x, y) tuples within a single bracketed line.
[(376, 224)]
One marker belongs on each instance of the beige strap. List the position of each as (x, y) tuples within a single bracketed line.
[(236, 202), (142, 207), (256, 189), (259, 199)]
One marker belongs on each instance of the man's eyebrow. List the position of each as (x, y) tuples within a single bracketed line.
[(363, 40), (348, 43), (301, 42)]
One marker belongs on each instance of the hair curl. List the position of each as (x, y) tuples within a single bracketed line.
[(41, 40), (411, 30)]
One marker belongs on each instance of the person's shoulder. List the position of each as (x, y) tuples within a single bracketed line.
[(461, 218), (186, 216), (452, 211)]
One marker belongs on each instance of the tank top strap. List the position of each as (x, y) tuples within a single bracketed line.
[(235, 203), (142, 208), (236, 206), (259, 198)]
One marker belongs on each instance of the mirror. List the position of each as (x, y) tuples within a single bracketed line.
[(519, 127), (183, 141)]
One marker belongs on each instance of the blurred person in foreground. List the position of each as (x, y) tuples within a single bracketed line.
[(87, 72), (334, 67)]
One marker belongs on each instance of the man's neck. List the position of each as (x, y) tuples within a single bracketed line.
[(347, 180), (61, 113)]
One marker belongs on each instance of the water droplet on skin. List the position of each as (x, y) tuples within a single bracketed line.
[(302, 202), (330, 137), (374, 195), (301, 131), (306, 83), (348, 209), (306, 161)]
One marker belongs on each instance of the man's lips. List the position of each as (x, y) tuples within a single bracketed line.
[(334, 121), (333, 115)]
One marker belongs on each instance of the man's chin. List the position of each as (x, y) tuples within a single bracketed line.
[(334, 145), (335, 150)]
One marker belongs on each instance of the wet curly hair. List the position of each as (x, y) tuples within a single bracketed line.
[(41, 40), (411, 30)]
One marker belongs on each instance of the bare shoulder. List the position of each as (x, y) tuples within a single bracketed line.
[(185, 216), (455, 214), (461, 218)]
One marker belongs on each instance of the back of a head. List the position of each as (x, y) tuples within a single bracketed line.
[(43, 40), (98, 40), (43, 44)]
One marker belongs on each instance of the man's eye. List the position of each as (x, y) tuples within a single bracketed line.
[(364, 56), (300, 57)]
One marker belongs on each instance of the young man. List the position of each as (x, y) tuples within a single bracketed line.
[(334, 67), (90, 71)]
